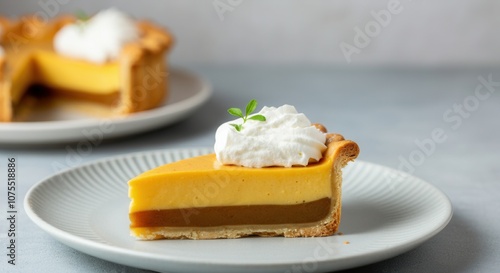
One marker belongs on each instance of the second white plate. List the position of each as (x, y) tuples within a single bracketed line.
[(188, 91), (385, 213)]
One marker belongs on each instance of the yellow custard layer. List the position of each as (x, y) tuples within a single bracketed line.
[(46, 67), (52, 71), (202, 182)]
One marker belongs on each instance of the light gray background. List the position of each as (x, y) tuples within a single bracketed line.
[(394, 92), (424, 32)]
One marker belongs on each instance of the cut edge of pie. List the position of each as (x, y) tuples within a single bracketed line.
[(338, 153)]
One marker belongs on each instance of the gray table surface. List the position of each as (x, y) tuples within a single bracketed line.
[(385, 110)]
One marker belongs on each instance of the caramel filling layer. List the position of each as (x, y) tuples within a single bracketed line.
[(233, 215), (40, 91)]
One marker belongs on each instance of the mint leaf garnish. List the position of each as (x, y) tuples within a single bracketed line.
[(248, 110)]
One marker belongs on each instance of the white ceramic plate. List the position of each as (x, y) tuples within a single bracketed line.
[(187, 92), (385, 213)]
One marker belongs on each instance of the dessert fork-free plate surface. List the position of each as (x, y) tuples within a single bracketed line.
[(385, 213)]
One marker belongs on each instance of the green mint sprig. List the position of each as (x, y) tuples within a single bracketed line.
[(249, 109), (81, 15), (81, 19)]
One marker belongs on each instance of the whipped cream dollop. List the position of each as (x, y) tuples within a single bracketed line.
[(98, 39), (286, 138)]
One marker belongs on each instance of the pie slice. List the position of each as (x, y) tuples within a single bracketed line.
[(198, 198), (135, 81)]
